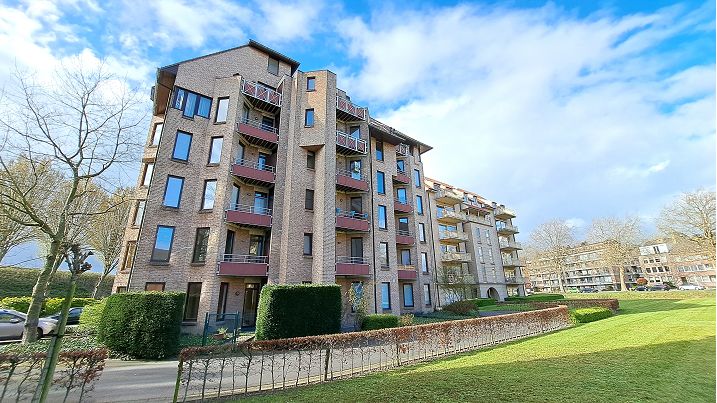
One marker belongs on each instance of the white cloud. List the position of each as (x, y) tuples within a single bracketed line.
[(575, 222), (284, 20)]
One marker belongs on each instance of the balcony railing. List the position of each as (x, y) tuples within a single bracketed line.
[(504, 212), (255, 165), (450, 215), (250, 209), (448, 196), (455, 257), (351, 144), (243, 265), (254, 172), (505, 228), (402, 206), (351, 180), (351, 260), (232, 258), (402, 149), (478, 219), (351, 214), (511, 261), (348, 108), (260, 92), (401, 176), (505, 244), (352, 221), (258, 133), (452, 236), (259, 125), (403, 232)]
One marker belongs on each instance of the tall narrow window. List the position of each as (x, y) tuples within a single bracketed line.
[(357, 288), (403, 225), (163, 244), (417, 178), (382, 222), (191, 304), (421, 232), (222, 302), (386, 295), (256, 245), (406, 257), (201, 240), (308, 244), (356, 247), (215, 150), (424, 262), (480, 254), (408, 295), (236, 197), (309, 199), (229, 243), (309, 118), (383, 254), (310, 160), (210, 189), (487, 237), (379, 151), (182, 144), (139, 212), (147, 176), (129, 252), (427, 294), (419, 205), (380, 183), (157, 133), (401, 196), (222, 110), (273, 66), (357, 204), (173, 191), (310, 83), (478, 237), (490, 255), (401, 166)]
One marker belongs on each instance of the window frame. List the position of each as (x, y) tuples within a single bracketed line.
[(189, 146), (422, 232), (130, 251), (269, 66), (424, 258), (179, 196), (383, 248), (203, 206), (148, 284), (309, 112), (195, 250), (310, 84), (192, 294), (386, 293), (147, 174), (310, 237), (379, 151), (417, 177), (385, 217), (154, 141), (217, 110), (309, 197), (380, 182), (311, 156), (419, 205), (403, 289), (138, 217), (171, 244), (212, 144)]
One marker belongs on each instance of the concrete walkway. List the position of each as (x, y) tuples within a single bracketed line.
[(136, 381)]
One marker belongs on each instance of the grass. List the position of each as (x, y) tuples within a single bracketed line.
[(442, 316), (658, 350), (630, 295)]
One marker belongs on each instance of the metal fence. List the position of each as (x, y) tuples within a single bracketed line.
[(221, 328)]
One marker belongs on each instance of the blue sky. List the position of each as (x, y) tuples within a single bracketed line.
[(564, 109)]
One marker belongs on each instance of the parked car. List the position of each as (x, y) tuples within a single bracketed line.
[(640, 288), (73, 316), (691, 287), (588, 290), (12, 324), (659, 287)]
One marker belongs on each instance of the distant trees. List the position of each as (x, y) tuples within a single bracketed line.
[(689, 222), (621, 238), (551, 241)]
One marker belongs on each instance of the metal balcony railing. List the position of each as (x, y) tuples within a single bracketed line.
[(351, 214), (352, 174), (345, 105), (445, 234), (504, 244), (450, 213), (232, 258), (405, 202), (505, 227), (402, 149), (261, 92), (250, 209), (351, 260), (258, 125), (345, 140), (255, 165), (406, 267), (403, 232)]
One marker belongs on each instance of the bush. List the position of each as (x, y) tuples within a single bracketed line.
[(18, 282), (296, 310), (479, 302), (463, 307), (380, 321), (406, 319), (536, 297), (91, 315), (586, 315), (50, 306), (142, 324)]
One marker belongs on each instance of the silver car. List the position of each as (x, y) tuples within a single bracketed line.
[(12, 324)]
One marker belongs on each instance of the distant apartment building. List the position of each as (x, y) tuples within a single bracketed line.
[(661, 264), (255, 172)]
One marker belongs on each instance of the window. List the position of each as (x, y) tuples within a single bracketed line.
[(401, 196), (382, 222), (477, 237), (139, 212), (357, 288), (308, 244), (210, 189), (356, 204), (182, 144), (129, 252), (273, 66), (191, 304), (408, 295), (356, 247), (147, 176), (406, 257), (173, 191), (380, 183), (401, 166), (153, 286), (310, 83), (417, 178), (427, 294), (403, 225), (163, 244), (310, 160), (201, 240), (386, 295), (191, 103), (229, 242), (419, 205), (121, 289), (309, 199), (383, 254), (222, 110), (157, 133), (256, 245), (421, 232), (379, 151), (487, 237), (480, 254), (490, 255), (222, 303), (309, 118), (424, 262), (215, 150)]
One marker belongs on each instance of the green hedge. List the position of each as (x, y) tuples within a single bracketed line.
[(536, 297), (463, 307), (91, 315), (18, 282), (296, 310), (586, 315), (379, 321), (49, 307), (142, 324)]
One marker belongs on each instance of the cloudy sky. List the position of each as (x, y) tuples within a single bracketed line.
[(569, 109)]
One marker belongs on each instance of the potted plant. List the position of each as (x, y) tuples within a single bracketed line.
[(221, 334)]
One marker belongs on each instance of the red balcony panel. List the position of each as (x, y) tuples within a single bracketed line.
[(402, 208), (402, 178), (348, 182), (352, 269), (258, 133), (243, 269), (253, 173), (246, 218), (352, 224), (407, 274), (405, 239)]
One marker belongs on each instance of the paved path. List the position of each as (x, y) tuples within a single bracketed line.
[(136, 381)]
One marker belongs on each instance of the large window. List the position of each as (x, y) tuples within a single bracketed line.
[(182, 144), (191, 103), (383, 254), (222, 303), (273, 66), (401, 166), (408, 295), (222, 110), (173, 191), (385, 295), (157, 133), (191, 305), (405, 257), (215, 150), (421, 232), (147, 176), (154, 286), (129, 252), (139, 212), (309, 199), (210, 190), (427, 294), (309, 118), (401, 195), (310, 83), (379, 151), (419, 205), (380, 183), (308, 244), (201, 240), (163, 244), (382, 222), (417, 178), (424, 262)]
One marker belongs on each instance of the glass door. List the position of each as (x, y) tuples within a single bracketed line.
[(261, 203), (405, 256), (356, 247), (251, 302), (401, 195), (355, 169), (256, 245)]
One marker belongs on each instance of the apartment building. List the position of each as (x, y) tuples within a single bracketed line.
[(474, 242), (661, 263)]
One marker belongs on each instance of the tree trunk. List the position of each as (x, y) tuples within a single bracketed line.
[(29, 334), (623, 286), (99, 282)]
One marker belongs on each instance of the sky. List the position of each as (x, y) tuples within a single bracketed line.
[(561, 109)]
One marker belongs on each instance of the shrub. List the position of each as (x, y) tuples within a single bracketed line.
[(142, 324), (479, 302), (49, 307), (296, 310), (379, 321), (406, 319), (20, 304), (18, 282), (463, 307), (536, 297), (91, 315), (586, 315)]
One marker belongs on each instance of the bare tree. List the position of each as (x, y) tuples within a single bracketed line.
[(689, 222), (552, 241), (621, 238), (105, 232), (12, 234), (74, 130)]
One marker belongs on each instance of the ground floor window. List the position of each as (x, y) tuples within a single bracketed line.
[(427, 294), (191, 304), (386, 295), (222, 304), (154, 286), (408, 295)]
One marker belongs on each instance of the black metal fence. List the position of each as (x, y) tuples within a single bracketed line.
[(221, 328)]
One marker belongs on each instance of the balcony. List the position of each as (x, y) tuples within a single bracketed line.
[(259, 134), (352, 266), (513, 280), (261, 96), (448, 196), (476, 207), (401, 177), (254, 173), (402, 150), (513, 262), (349, 181), (452, 236), (506, 229), (404, 237), (455, 257), (249, 216), (509, 246), (243, 265), (478, 219), (402, 206), (349, 112), (455, 276), (351, 221), (347, 145), (503, 213), (450, 216), (407, 272)]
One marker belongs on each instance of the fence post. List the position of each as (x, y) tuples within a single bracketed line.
[(206, 328), (178, 382)]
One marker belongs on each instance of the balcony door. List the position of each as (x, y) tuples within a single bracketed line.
[(356, 247), (355, 169), (355, 132), (267, 123), (229, 243), (261, 202), (357, 205), (405, 256), (251, 302), (401, 165), (240, 152), (256, 245), (261, 161), (401, 195), (235, 196), (403, 224)]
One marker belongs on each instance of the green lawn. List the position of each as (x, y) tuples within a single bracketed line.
[(655, 350)]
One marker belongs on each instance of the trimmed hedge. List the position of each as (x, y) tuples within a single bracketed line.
[(297, 310), (586, 315), (463, 307), (536, 297), (380, 321), (91, 315), (142, 324), (18, 282), (49, 307)]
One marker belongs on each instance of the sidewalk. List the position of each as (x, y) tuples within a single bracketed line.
[(136, 381)]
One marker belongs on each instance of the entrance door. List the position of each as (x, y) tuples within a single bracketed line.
[(251, 301)]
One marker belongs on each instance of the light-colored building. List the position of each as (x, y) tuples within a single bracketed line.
[(661, 264)]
